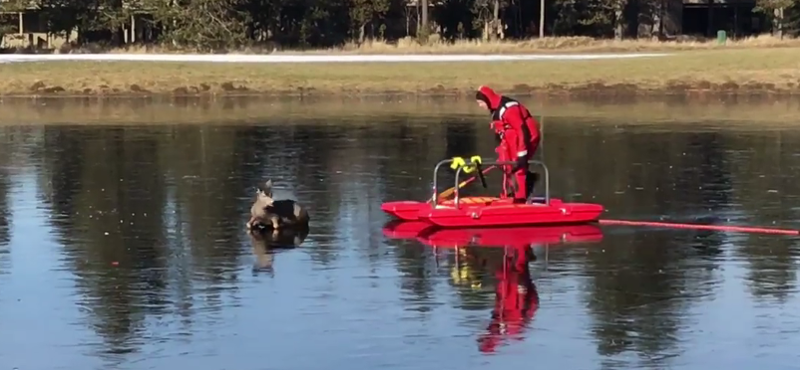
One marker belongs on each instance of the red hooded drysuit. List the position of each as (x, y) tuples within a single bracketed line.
[(519, 138)]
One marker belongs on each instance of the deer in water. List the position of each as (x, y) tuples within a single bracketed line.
[(268, 212)]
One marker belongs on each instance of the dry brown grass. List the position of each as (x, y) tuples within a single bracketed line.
[(560, 44), (532, 46), (735, 111), (746, 70)]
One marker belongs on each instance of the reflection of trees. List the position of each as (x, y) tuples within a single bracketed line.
[(416, 277), (5, 187), (766, 175), (139, 211), (15, 150), (107, 197), (772, 267), (5, 210), (406, 154), (658, 173), (460, 140), (638, 284), (207, 168), (173, 202), (308, 151), (638, 291)]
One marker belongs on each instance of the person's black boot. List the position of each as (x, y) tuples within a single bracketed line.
[(530, 183)]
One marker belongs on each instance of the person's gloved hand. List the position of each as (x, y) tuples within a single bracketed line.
[(522, 162)]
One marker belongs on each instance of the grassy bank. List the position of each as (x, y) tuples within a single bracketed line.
[(532, 46), (731, 71), (745, 112)]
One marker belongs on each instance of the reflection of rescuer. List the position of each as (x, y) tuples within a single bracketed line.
[(518, 133), (516, 299)]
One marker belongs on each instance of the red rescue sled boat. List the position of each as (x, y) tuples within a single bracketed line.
[(493, 211)]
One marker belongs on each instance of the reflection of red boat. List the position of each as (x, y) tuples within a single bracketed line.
[(516, 297), (499, 237), (398, 229), (492, 236), (492, 211)]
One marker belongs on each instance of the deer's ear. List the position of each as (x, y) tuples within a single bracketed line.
[(268, 188)]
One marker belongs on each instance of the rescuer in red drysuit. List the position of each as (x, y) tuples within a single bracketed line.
[(518, 133), (504, 156), (516, 299)]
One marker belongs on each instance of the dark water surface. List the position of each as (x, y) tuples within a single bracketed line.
[(123, 247)]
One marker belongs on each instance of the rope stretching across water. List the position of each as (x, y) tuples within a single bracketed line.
[(741, 229)]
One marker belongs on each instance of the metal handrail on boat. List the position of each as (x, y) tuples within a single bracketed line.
[(496, 163)]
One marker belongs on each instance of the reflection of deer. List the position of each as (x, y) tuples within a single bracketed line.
[(264, 245), (268, 212), (516, 298)]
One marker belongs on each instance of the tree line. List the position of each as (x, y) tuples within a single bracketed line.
[(216, 24)]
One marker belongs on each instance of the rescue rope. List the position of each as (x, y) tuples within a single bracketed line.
[(731, 228)]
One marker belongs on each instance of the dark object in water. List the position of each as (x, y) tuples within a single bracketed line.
[(267, 212), (265, 243)]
